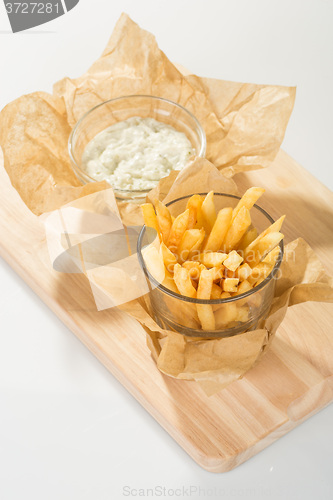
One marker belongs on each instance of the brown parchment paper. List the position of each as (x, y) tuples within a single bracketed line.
[(244, 123)]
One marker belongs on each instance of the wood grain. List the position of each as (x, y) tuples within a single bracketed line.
[(293, 381)]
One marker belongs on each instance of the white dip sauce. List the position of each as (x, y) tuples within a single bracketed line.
[(136, 153)]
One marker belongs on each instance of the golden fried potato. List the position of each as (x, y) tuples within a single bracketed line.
[(230, 284), (208, 211), (233, 261), (154, 262), (212, 259), (248, 199), (191, 240), (149, 216), (178, 228), (169, 258), (205, 311), (183, 281), (164, 220), (194, 206), (263, 246), (219, 230), (239, 226)]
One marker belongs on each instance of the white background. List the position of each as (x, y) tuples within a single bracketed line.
[(68, 429)]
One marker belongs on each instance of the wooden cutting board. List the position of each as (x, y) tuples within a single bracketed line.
[(293, 381)]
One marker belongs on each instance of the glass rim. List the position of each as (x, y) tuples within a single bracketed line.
[(202, 135), (210, 301)]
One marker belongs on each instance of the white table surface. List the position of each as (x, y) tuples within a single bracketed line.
[(68, 429)]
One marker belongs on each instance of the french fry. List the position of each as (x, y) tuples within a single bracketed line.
[(264, 275), (168, 257), (237, 229), (183, 281), (229, 274), (242, 315), (149, 216), (194, 282), (192, 264), (224, 295), (262, 248), (169, 282), (186, 315), (248, 237), (259, 273), (154, 262), (194, 206), (243, 272), (230, 284), (191, 239), (178, 228), (208, 211), (195, 250), (233, 261), (248, 199), (212, 259), (218, 273), (194, 268), (273, 228), (272, 256), (255, 300), (205, 311), (216, 292), (243, 287), (163, 219), (225, 315), (219, 230)]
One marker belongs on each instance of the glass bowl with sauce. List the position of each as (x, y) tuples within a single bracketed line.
[(234, 315), (132, 142)]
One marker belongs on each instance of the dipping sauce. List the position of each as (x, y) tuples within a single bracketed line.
[(134, 154)]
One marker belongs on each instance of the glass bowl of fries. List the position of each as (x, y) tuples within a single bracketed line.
[(212, 267)]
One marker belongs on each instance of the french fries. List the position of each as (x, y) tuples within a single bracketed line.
[(178, 229), (190, 242), (219, 230), (183, 281), (272, 256), (233, 261), (263, 246), (194, 268), (275, 227), (230, 284), (205, 311), (243, 272), (208, 211), (239, 225), (164, 220), (154, 261), (205, 255), (194, 205), (248, 199), (248, 237), (169, 258), (212, 259), (149, 216)]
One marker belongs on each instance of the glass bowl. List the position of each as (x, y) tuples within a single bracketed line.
[(110, 112), (177, 312)]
